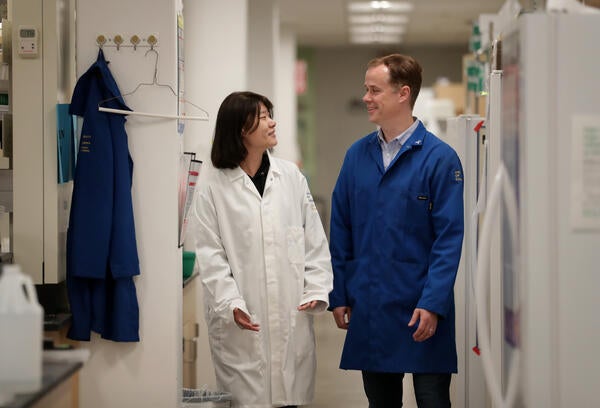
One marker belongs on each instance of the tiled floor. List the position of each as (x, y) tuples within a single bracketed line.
[(337, 388)]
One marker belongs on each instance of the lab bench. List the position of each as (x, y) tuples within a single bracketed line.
[(60, 388)]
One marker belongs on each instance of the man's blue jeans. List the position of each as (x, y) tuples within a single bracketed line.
[(384, 390)]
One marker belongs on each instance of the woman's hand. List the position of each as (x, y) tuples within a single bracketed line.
[(244, 321), (311, 305)]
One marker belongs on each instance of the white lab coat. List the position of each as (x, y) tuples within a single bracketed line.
[(265, 255)]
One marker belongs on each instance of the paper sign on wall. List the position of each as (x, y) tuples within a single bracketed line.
[(585, 173)]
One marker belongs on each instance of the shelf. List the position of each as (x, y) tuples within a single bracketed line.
[(188, 280)]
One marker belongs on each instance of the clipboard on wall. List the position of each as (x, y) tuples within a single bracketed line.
[(190, 170)]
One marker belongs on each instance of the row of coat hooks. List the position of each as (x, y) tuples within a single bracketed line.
[(151, 43), (135, 41)]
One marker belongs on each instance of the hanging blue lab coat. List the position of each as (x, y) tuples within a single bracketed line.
[(396, 238), (101, 246)]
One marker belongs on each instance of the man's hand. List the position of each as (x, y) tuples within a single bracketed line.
[(427, 324), (244, 321), (341, 315)]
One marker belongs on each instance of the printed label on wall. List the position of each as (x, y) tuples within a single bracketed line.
[(585, 181)]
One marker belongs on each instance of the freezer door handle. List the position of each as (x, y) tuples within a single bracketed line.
[(502, 187)]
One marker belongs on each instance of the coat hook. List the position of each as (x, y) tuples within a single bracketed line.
[(152, 40), (118, 40), (101, 40), (135, 40)]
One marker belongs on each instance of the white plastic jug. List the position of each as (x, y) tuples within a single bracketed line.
[(21, 323)]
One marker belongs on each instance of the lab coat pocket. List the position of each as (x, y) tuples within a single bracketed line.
[(417, 208), (237, 354), (405, 283), (299, 358), (295, 244), (301, 341)]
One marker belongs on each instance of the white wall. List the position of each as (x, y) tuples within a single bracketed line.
[(148, 373), (271, 59), (263, 47), (285, 98), (215, 62)]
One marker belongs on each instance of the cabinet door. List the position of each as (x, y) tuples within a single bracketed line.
[(38, 84), (190, 335)]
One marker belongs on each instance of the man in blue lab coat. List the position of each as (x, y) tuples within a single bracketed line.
[(396, 238), (101, 246)]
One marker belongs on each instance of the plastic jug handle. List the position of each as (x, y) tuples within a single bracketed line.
[(30, 289)]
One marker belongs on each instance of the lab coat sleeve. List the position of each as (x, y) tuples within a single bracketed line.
[(340, 236), (221, 292), (447, 218), (318, 276)]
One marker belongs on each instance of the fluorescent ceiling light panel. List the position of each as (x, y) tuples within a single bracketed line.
[(376, 28), (380, 4), (376, 38), (377, 18), (386, 6)]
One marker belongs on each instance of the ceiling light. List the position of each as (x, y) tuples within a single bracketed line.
[(376, 28), (380, 4), (377, 21), (376, 38), (387, 6), (378, 18)]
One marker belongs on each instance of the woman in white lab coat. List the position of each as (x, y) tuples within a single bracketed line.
[(264, 261)]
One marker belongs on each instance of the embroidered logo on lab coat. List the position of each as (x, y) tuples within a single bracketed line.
[(86, 142), (458, 176), (311, 201)]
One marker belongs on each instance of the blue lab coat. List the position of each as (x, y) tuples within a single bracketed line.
[(396, 238), (101, 246)]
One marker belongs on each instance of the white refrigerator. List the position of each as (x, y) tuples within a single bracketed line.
[(545, 197)]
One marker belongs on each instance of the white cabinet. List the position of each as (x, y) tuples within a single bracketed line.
[(41, 205)]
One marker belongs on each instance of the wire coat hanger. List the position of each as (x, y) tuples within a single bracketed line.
[(153, 83)]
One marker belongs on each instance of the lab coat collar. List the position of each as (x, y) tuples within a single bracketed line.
[(237, 173), (234, 174), (415, 141), (274, 167)]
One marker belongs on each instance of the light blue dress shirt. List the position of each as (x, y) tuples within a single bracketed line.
[(391, 149)]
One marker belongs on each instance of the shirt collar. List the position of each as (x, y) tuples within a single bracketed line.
[(237, 172), (402, 137), (264, 167)]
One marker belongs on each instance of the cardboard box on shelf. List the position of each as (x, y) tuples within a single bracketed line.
[(453, 91)]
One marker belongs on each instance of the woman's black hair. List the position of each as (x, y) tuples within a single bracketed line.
[(238, 114)]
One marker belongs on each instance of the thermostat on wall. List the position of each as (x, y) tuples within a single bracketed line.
[(28, 44)]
